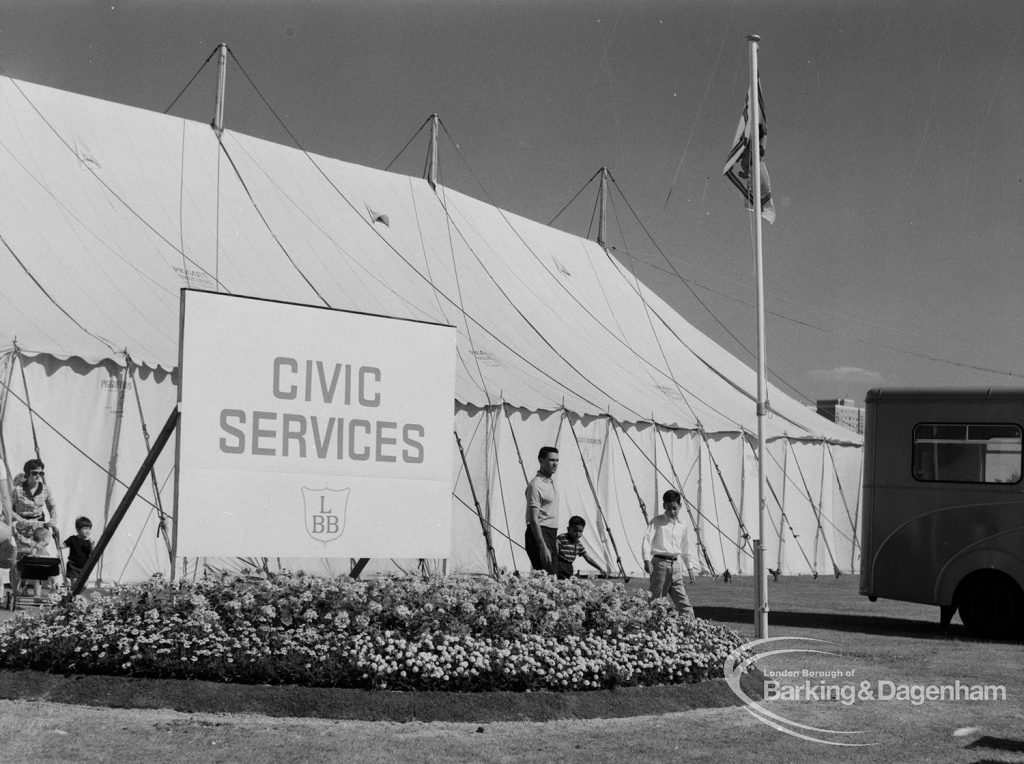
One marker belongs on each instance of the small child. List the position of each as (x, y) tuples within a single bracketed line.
[(80, 546), (40, 542), (30, 535), (569, 548)]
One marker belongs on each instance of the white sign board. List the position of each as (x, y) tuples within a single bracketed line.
[(309, 432)]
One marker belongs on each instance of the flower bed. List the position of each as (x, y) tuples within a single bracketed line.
[(459, 634)]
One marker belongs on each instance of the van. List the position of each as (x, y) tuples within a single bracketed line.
[(943, 503)]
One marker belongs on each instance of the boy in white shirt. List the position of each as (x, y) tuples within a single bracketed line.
[(667, 551)]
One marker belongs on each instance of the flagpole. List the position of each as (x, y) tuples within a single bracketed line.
[(760, 558)]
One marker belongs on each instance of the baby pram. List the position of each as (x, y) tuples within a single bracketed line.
[(32, 568)]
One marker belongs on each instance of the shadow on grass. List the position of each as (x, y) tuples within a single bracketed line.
[(864, 624), (193, 695)]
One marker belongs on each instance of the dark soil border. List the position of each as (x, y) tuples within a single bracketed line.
[(366, 705)]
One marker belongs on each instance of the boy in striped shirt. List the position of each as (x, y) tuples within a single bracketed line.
[(569, 548)]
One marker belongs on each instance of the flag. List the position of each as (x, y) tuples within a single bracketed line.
[(737, 166)]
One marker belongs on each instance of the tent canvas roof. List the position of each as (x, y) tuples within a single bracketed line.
[(107, 211)]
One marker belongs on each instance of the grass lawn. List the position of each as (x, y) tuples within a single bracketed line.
[(878, 642)]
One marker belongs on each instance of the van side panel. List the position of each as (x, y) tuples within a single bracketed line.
[(920, 538)]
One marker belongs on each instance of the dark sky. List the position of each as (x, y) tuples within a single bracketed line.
[(894, 132)]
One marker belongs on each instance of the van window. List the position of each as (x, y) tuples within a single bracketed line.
[(967, 453)]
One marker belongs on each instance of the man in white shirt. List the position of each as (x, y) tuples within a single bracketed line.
[(667, 551), (542, 513)]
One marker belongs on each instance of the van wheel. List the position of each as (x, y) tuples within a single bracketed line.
[(991, 604)]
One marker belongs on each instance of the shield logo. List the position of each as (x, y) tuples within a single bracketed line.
[(325, 512)]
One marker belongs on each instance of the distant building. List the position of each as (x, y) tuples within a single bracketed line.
[(843, 411)]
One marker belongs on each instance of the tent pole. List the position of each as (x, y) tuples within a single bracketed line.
[(35, 442), (602, 236), (783, 519), (821, 504), (737, 511), (597, 503), (7, 364), (28, 401), (112, 465), (432, 153), (700, 494), (5, 507), (526, 479), (492, 561), (519, 454), (636, 491), (122, 508), (222, 69), (162, 526), (842, 495), (819, 533), (682, 492), (501, 488), (856, 518), (654, 443), (782, 509), (743, 501)]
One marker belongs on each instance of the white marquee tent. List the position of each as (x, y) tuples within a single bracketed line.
[(107, 211)]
